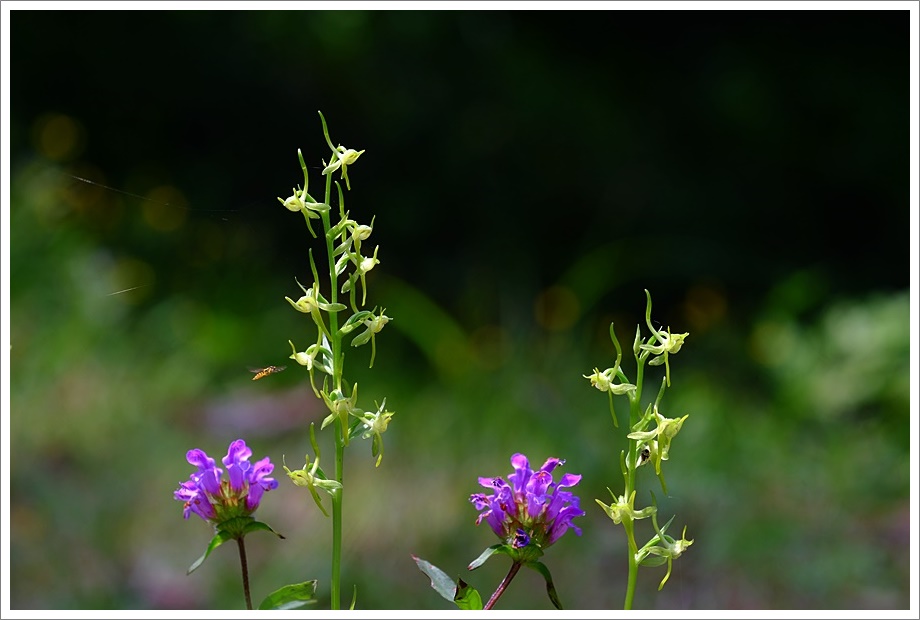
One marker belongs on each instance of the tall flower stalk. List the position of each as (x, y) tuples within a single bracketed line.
[(347, 265), (649, 441)]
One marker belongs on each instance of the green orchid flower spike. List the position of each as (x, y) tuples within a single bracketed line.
[(341, 407), (374, 425), (363, 265), (603, 381), (649, 439), (621, 510), (669, 343), (662, 549), (356, 233), (301, 201), (344, 267), (659, 438), (313, 478), (314, 357), (341, 157), (311, 302), (374, 324)]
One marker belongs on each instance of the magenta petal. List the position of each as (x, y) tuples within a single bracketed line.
[(569, 480), (254, 497), (204, 495), (199, 459), (258, 475), (479, 501), (208, 479), (522, 472), (551, 464), (237, 452), (530, 502), (238, 465)]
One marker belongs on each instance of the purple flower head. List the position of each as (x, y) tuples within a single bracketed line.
[(213, 498), (532, 508)]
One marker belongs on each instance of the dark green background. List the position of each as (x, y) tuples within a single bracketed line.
[(531, 172)]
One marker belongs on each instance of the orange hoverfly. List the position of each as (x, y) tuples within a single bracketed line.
[(264, 372)]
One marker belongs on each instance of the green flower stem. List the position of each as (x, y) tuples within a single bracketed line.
[(631, 580), (515, 567), (338, 362), (245, 568), (338, 355), (633, 564), (635, 414), (632, 548), (337, 518)]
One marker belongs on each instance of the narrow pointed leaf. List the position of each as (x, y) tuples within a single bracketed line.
[(291, 596), (485, 556), (326, 349), (355, 428), (258, 525), (220, 538), (355, 321), (362, 338), (440, 582), (540, 567), (336, 307), (653, 560)]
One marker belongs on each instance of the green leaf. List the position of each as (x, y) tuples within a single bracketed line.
[(239, 526), (467, 597), (336, 307), (258, 525), (499, 548), (664, 528), (653, 560), (362, 338), (320, 473), (220, 538), (540, 567), (441, 583), (337, 230), (355, 429), (326, 130), (291, 596), (340, 266), (354, 321), (325, 362)]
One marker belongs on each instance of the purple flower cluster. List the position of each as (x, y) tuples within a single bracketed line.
[(217, 500), (533, 508)]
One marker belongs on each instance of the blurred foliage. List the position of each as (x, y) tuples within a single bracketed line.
[(531, 173)]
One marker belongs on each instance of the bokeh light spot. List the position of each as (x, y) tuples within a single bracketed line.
[(57, 137), (704, 307), (166, 209), (557, 308)]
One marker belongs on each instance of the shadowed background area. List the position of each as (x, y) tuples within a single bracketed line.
[(530, 174)]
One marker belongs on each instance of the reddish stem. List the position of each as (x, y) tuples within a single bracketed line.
[(515, 567)]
